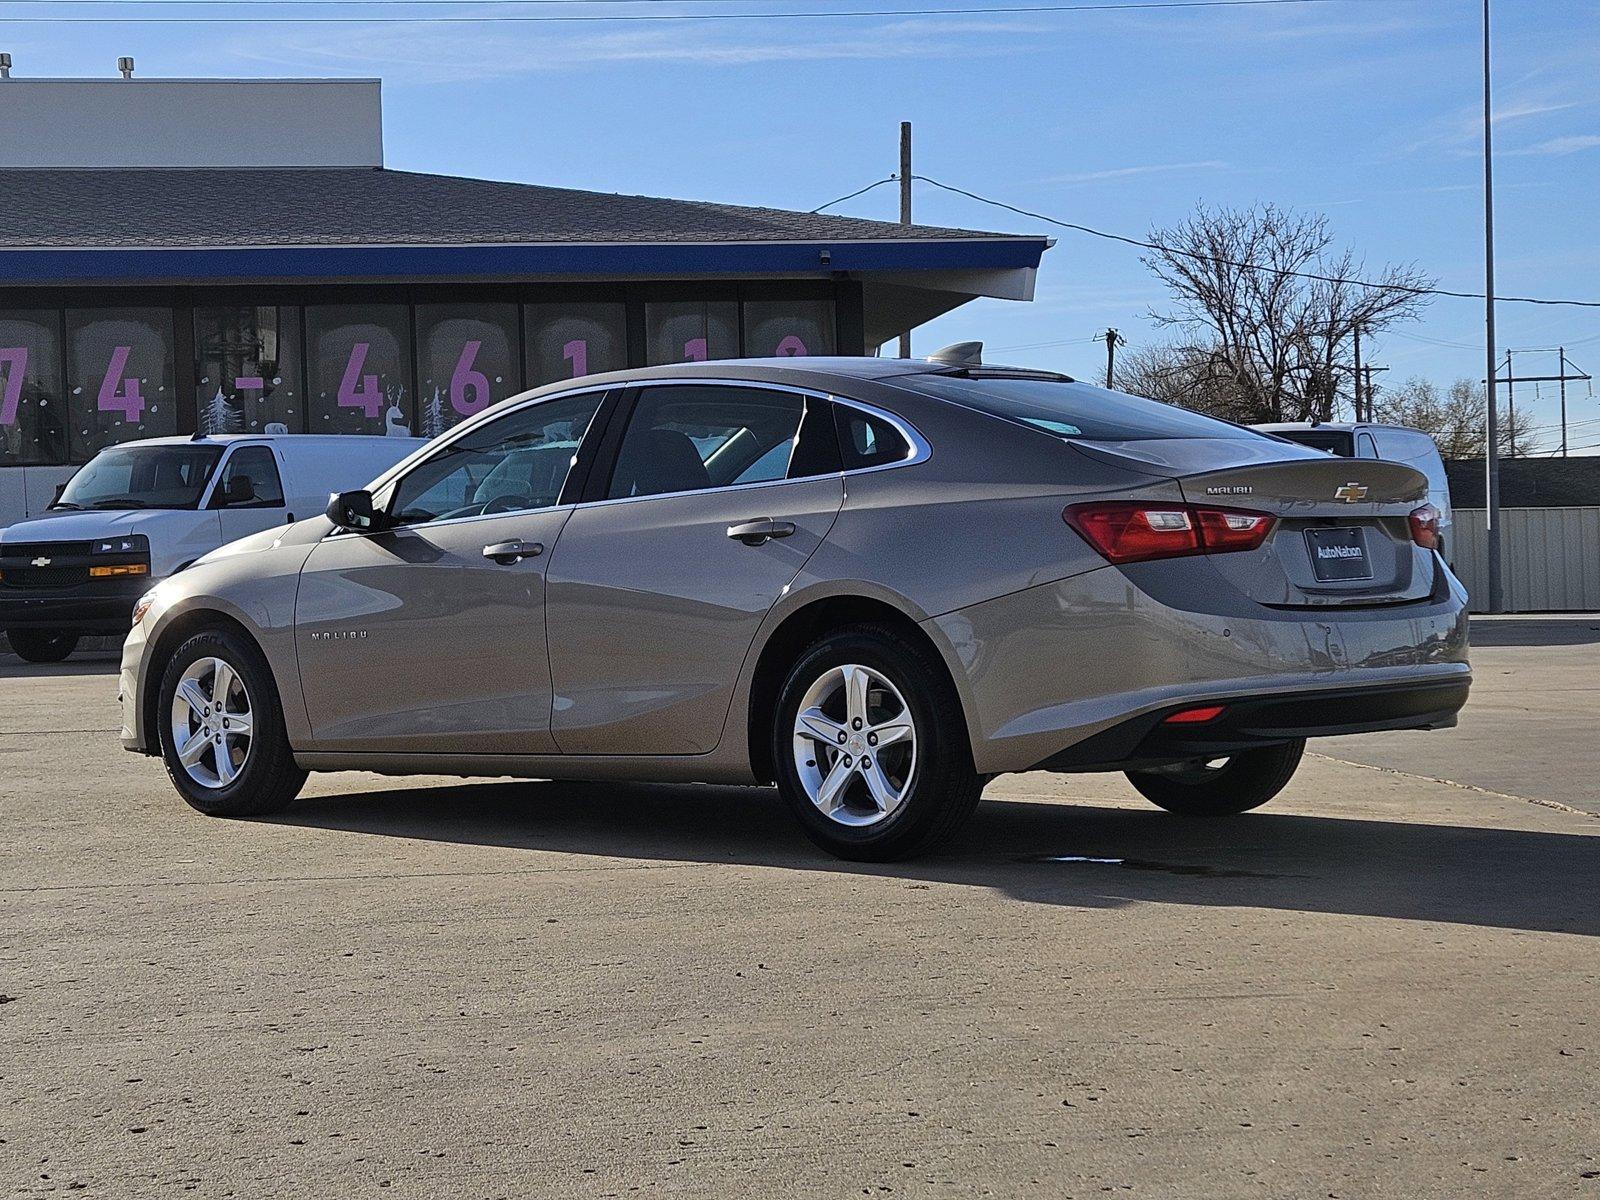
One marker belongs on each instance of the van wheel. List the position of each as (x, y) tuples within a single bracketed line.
[(221, 728), (1223, 786), (870, 746), (41, 645)]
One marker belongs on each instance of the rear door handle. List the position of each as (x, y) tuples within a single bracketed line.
[(510, 553), (754, 533)]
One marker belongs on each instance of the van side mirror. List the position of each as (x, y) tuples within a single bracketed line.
[(353, 510)]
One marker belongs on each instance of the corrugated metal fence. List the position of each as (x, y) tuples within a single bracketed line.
[(1549, 558)]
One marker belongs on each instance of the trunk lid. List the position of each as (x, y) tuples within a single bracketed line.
[(1342, 535)]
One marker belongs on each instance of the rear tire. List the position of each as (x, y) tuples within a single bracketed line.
[(41, 645), (898, 783), (257, 776), (1239, 783)]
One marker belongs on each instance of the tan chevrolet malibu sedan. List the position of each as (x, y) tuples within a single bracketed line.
[(875, 583)]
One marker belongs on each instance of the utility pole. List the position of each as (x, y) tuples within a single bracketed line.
[(905, 207), (1112, 339), (1357, 377), (1491, 451), (1369, 369), (1511, 409), (1562, 371)]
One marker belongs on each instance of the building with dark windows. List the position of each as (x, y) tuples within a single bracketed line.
[(150, 285)]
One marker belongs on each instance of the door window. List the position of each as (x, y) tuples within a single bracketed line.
[(250, 480), (685, 439), (513, 464), (868, 441)]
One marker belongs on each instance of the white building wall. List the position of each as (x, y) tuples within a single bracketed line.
[(191, 123)]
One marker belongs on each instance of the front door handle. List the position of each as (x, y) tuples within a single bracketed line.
[(510, 553), (754, 533)]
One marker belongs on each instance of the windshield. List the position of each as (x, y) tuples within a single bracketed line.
[(1076, 409), (1334, 441), (142, 477)]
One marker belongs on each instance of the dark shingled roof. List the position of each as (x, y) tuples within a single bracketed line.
[(354, 206)]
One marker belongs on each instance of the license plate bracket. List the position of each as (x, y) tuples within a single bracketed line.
[(1339, 555)]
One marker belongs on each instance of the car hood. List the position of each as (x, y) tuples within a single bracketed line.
[(312, 529), (97, 523)]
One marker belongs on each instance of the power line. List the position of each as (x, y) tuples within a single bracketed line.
[(857, 192), (1409, 289), (521, 18)]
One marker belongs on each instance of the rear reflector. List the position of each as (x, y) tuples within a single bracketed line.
[(1195, 716), (1425, 526), (1124, 531)]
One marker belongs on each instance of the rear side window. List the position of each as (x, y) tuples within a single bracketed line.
[(868, 441), (1076, 409)]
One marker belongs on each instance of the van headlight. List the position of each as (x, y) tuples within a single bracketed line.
[(129, 543)]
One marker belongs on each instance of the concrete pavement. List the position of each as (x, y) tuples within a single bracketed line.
[(1378, 986)]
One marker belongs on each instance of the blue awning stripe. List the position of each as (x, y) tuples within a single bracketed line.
[(67, 265)]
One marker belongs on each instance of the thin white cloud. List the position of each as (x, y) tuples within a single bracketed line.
[(1561, 145), (1516, 112), (452, 55), (1210, 164)]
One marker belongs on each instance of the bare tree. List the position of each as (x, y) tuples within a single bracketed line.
[(1454, 418), (1266, 310)]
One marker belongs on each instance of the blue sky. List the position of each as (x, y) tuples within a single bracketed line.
[(1365, 110)]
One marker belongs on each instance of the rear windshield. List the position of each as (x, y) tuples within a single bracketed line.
[(1334, 441), (1076, 410)]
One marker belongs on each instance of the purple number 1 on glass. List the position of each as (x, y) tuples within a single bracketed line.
[(577, 353)]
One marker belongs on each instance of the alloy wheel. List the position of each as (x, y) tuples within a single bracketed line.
[(212, 724), (855, 745)]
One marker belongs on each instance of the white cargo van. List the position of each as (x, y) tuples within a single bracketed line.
[(1392, 443), (137, 512)]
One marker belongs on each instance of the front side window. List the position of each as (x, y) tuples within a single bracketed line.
[(514, 464), (1074, 410), (684, 439), (142, 477), (249, 480)]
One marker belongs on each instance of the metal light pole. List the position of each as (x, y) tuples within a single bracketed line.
[(1491, 451), (905, 207)]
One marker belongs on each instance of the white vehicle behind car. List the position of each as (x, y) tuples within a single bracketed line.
[(1390, 443), (137, 512)]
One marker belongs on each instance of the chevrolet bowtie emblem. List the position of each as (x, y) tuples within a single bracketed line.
[(1350, 493), (41, 562)]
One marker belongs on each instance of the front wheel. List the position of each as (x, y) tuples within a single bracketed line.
[(41, 645), (870, 746), (1221, 787), (221, 727)]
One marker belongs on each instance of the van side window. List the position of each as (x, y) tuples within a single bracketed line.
[(250, 480), (1365, 447)]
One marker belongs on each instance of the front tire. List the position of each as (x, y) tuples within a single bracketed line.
[(221, 728), (41, 645), (1221, 787), (870, 746)]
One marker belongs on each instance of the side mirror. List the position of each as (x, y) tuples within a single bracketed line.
[(353, 510)]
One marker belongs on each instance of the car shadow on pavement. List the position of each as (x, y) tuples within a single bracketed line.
[(1038, 853), (88, 662)]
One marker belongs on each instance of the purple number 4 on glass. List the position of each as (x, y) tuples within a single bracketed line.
[(15, 360)]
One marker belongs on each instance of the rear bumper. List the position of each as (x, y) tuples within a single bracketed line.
[(102, 607), (1250, 722)]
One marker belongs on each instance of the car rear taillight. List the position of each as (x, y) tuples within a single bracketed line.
[(1424, 523), (1124, 531)]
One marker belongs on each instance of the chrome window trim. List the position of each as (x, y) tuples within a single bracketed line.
[(920, 450)]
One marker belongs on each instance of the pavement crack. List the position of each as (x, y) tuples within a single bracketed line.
[(1455, 783)]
